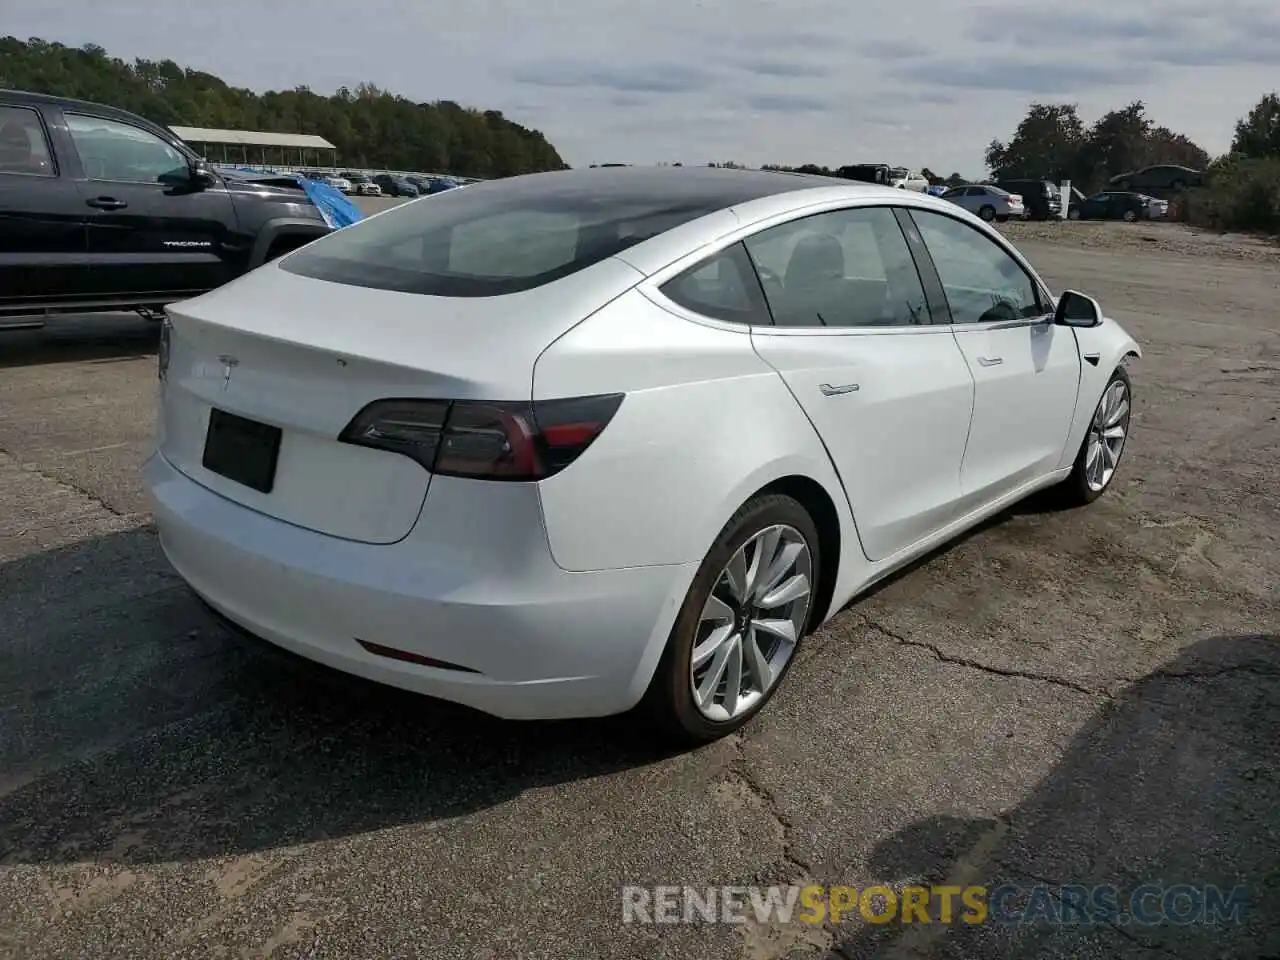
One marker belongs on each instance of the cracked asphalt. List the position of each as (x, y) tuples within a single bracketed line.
[(1085, 697)]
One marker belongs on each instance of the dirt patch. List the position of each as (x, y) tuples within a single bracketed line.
[(1152, 238)]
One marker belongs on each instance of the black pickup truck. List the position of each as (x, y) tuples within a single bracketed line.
[(103, 210)]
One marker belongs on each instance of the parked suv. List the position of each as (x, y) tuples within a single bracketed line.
[(1042, 198), (103, 210)]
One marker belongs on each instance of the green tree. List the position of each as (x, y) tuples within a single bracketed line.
[(1045, 144), (1258, 134), (369, 126)]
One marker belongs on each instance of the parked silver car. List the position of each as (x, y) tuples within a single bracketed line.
[(988, 202)]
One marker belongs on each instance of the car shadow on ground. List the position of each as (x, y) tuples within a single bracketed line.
[(134, 729), (81, 338), (1175, 781)]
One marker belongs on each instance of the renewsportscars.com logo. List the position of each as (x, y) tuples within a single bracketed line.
[(1069, 904)]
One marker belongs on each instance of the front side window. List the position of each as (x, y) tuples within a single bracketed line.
[(723, 286), (846, 268), (111, 150), (23, 147), (982, 282)]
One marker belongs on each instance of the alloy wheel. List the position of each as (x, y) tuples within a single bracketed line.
[(1107, 434), (751, 622)]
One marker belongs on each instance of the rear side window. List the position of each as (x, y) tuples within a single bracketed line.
[(499, 237), (723, 287), (23, 147)]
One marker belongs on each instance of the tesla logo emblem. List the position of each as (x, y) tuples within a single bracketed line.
[(228, 364)]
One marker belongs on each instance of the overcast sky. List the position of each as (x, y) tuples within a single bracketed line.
[(913, 83)]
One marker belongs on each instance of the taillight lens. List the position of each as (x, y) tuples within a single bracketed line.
[(485, 440)]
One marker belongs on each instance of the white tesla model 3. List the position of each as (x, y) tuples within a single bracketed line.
[(564, 444)]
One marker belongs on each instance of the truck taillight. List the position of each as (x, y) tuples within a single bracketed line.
[(482, 439)]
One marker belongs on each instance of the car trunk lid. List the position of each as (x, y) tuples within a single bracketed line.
[(304, 356)]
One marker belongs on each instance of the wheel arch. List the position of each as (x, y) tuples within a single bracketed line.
[(283, 228)]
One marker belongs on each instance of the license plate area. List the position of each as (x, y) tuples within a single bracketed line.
[(242, 450)]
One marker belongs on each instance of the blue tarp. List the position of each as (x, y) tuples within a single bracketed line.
[(336, 209)]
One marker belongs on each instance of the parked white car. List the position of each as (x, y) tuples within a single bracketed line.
[(564, 444), (988, 202), (905, 179)]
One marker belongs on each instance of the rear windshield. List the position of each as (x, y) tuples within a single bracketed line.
[(510, 235)]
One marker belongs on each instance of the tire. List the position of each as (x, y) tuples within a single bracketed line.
[(1130, 216), (1079, 488), (670, 701), (1073, 214), (987, 213)]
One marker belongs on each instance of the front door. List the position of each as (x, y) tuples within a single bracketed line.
[(888, 391), (42, 224), (151, 230), (1026, 369)]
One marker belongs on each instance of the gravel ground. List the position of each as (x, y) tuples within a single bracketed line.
[(1085, 697), (1147, 239)]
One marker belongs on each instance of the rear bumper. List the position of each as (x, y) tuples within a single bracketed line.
[(468, 587)]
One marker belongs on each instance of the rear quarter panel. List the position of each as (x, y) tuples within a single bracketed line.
[(705, 424)]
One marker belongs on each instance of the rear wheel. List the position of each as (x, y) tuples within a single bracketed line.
[(1073, 213), (987, 213), (1103, 444), (742, 621), (1130, 216)]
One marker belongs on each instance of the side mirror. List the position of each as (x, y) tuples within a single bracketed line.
[(201, 175), (1077, 310)]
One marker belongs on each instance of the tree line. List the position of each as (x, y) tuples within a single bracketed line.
[(371, 128)]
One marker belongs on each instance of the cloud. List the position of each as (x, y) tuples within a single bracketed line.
[(781, 68), (1038, 77), (642, 78), (787, 102), (894, 50), (747, 80)]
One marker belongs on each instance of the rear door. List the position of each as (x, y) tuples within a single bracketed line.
[(151, 231), (42, 223), (886, 388), (1026, 369)]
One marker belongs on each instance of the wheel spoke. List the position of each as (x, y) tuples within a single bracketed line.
[(759, 670), (1108, 456), (1113, 433), (783, 561), (733, 675), (706, 690), (1118, 412), (736, 576), (716, 610), (713, 642), (784, 630), (766, 546), (789, 590)]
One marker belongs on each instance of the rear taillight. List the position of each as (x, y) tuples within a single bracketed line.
[(485, 440)]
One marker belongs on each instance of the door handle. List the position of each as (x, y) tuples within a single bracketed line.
[(991, 361), (107, 203), (829, 391)]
